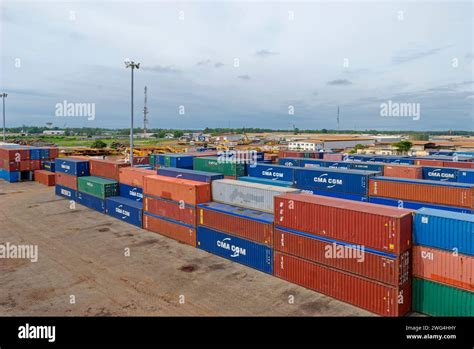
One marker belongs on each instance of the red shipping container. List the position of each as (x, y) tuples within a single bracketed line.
[(403, 171), (373, 296), (290, 154), (14, 154), (141, 160), (379, 267), (444, 267), (458, 164), (169, 229), (239, 226), (66, 180), (106, 168), (170, 209), (373, 226), (423, 192), (134, 176), (176, 189), (45, 177), (433, 163), (53, 153), (9, 165), (30, 165), (333, 157)]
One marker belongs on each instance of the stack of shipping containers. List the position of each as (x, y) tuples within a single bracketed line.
[(67, 171)]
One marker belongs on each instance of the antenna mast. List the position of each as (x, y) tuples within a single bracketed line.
[(145, 114)]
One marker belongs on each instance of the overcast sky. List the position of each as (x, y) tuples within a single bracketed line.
[(308, 57)]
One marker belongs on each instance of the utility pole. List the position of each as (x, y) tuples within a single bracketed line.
[(132, 65), (4, 95), (145, 114)]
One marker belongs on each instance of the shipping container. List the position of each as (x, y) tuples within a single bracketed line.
[(39, 154), (176, 160), (376, 297), (466, 176), (346, 181), (435, 299), (126, 210), (324, 163), (376, 227), (27, 176), (290, 162), (107, 168), (133, 176), (236, 249), (247, 224), (444, 230), (445, 267), (300, 154), (276, 182), (458, 164), (335, 194), (14, 154), (279, 172), (169, 228), (9, 165), (171, 209), (141, 160), (403, 171), (53, 153), (333, 156), (66, 192), (426, 162), (132, 193), (175, 189), (383, 267), (248, 195), (193, 175), (444, 174), (413, 205), (368, 166), (97, 186), (440, 193), (65, 180), (227, 168), (10, 176), (45, 177), (74, 167), (48, 166), (91, 201), (30, 165)]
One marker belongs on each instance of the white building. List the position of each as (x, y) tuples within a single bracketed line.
[(329, 143), (54, 132)]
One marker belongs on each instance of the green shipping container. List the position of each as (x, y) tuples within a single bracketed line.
[(211, 164), (97, 186), (435, 299)]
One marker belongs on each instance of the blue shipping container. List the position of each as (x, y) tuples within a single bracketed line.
[(39, 153), (276, 182), (324, 163), (236, 249), (176, 160), (466, 176), (74, 167), (91, 201), (199, 176), (280, 172), (49, 165), (289, 161), (413, 205), (68, 193), (132, 193), (444, 230), (335, 194), (345, 181), (10, 176), (444, 174), (367, 166), (124, 209)]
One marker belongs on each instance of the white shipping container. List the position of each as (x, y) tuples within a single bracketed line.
[(249, 195)]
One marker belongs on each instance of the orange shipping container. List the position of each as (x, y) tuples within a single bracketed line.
[(106, 168), (403, 171), (444, 267), (458, 164), (134, 176), (66, 180), (176, 189), (30, 165), (170, 229), (45, 177), (426, 162)]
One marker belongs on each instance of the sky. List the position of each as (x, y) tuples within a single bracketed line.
[(268, 64)]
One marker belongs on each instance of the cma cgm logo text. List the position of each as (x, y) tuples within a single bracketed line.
[(442, 175), (236, 250), (268, 172), (331, 182), (121, 211)]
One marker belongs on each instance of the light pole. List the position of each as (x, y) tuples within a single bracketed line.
[(4, 95), (132, 65)]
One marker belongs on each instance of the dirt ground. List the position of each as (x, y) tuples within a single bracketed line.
[(81, 257)]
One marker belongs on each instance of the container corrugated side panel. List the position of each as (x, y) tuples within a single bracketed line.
[(459, 164), (411, 205), (335, 194), (444, 230), (10, 176), (170, 209), (99, 187), (65, 192), (278, 183), (124, 209), (387, 268), (132, 193), (242, 224), (435, 299), (278, 172), (370, 295), (73, 167), (91, 201), (212, 164), (66, 180), (377, 227), (200, 176), (176, 189), (466, 176), (246, 252), (249, 195), (445, 267), (169, 228)]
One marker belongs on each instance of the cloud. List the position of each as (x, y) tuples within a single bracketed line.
[(162, 69), (205, 62), (413, 54), (218, 64), (265, 53), (339, 82), (244, 77)]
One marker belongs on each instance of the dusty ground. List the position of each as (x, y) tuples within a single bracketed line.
[(81, 254)]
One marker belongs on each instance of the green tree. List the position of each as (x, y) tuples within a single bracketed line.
[(178, 133), (98, 144), (403, 146), (359, 146)]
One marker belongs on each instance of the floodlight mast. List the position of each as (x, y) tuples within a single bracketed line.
[(132, 65)]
